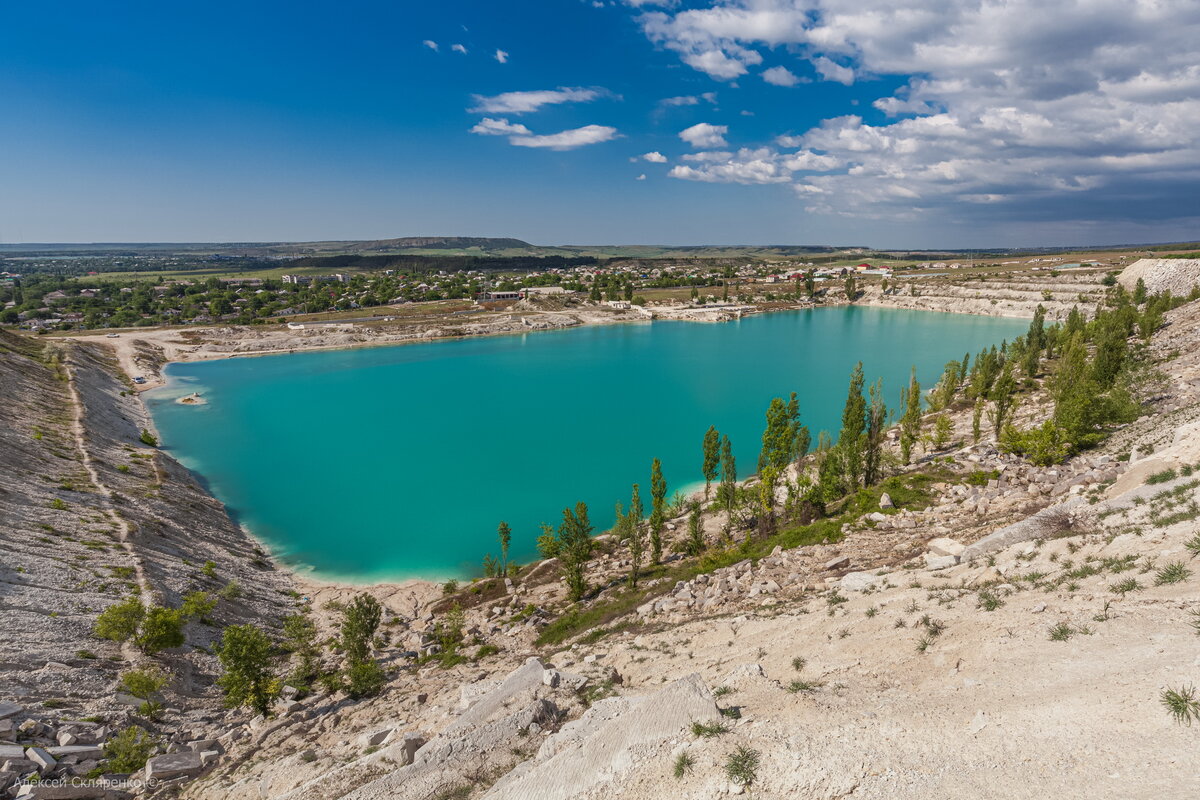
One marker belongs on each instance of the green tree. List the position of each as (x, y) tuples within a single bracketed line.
[(300, 638), (727, 492), (854, 421), (161, 629), (636, 543), (1003, 397), (148, 438), (128, 751), (695, 542), (360, 621), (910, 417), (851, 289), (505, 535), (810, 283), (120, 621), (1139, 292), (976, 417), (943, 429), (779, 437), (877, 417), (547, 542), (145, 684), (575, 549), (1035, 341), (712, 457), (658, 496), (245, 654)]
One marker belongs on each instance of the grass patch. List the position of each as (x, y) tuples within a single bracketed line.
[(1182, 704), (742, 765), (1174, 572), (707, 730)]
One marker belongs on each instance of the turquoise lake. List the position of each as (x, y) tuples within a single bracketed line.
[(389, 462)]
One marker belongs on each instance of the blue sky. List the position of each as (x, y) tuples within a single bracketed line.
[(879, 122)]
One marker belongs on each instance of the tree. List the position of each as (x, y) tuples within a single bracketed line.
[(1035, 341), (658, 495), (300, 638), (575, 548), (636, 544), (712, 457), (850, 439), (547, 542), (695, 542), (727, 492), (1139, 292), (360, 620), (161, 629), (144, 684), (810, 283), (128, 751), (877, 416), (779, 437), (851, 289), (1003, 398), (976, 416), (939, 437), (505, 535), (120, 621), (910, 417), (245, 653), (148, 438)]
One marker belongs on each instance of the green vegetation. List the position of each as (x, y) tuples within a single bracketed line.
[(683, 764), (148, 438), (145, 684), (360, 621), (151, 629), (1182, 703), (129, 750), (707, 730), (246, 653), (741, 766)]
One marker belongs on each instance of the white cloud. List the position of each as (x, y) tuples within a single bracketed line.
[(758, 165), (705, 135), (499, 127), (432, 45), (654, 157), (690, 100), (458, 48), (1038, 111), (780, 76), (501, 56), (832, 71), (641, 177), (525, 102), (568, 140)]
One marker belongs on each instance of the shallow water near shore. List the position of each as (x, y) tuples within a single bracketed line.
[(393, 462)]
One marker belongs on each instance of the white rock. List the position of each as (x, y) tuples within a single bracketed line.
[(946, 547)]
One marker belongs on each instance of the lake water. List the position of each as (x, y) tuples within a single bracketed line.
[(389, 462)]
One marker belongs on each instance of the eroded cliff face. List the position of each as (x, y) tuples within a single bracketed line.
[(89, 515)]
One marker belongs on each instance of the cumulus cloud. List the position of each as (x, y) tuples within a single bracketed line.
[(780, 76), (501, 56), (1024, 108), (689, 99), (431, 44), (641, 177), (751, 165), (525, 102), (705, 135), (521, 136), (499, 127), (654, 157), (458, 48), (567, 140)]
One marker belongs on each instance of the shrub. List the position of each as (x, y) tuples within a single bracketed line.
[(1061, 632), (161, 629), (209, 570), (198, 605), (705, 730), (1043, 445), (144, 684), (364, 679), (230, 591), (450, 586), (1182, 704), (148, 438), (683, 764), (120, 622), (129, 750), (742, 765), (1174, 572)]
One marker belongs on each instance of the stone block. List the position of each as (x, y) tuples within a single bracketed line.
[(174, 765)]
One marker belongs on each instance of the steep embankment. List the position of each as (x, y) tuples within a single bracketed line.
[(90, 515), (1174, 275), (1013, 294)]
